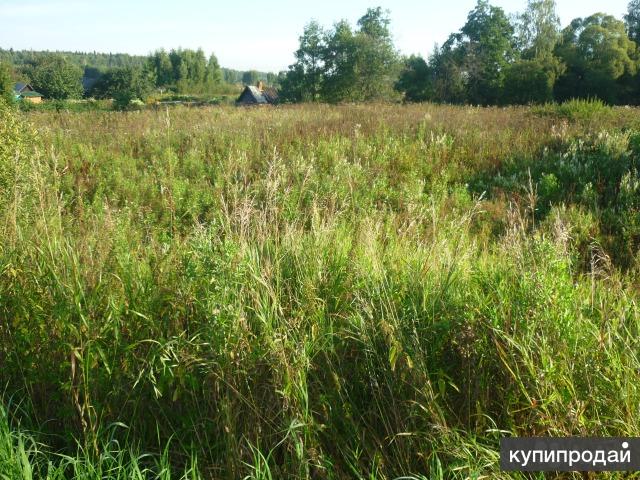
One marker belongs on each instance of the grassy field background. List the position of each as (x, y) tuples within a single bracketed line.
[(314, 291)]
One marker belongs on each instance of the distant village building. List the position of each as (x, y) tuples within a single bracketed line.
[(26, 92), (258, 95)]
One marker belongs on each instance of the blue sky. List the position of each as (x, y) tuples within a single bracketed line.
[(243, 34)]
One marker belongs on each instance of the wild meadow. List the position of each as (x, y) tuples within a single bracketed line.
[(326, 292)]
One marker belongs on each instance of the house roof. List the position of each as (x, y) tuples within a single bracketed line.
[(20, 86), (261, 97), (31, 94), (271, 94), (257, 94)]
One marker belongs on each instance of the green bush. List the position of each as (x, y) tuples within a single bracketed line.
[(577, 110)]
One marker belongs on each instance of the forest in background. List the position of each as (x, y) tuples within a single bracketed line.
[(122, 77), (493, 59)]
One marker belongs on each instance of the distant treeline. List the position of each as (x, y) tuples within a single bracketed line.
[(183, 70), (493, 59)]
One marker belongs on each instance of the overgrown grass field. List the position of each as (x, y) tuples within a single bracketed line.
[(323, 292)]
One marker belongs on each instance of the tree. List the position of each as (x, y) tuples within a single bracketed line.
[(6, 82), (632, 20), (124, 85), (161, 64), (310, 61), (250, 77), (340, 75), (180, 68), (342, 65), (597, 53), (416, 80), (57, 78), (449, 77), (538, 29), (272, 79), (529, 81), (482, 49), (532, 78), (214, 74), (292, 84), (377, 60)]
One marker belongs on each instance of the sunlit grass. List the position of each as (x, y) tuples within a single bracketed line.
[(313, 292)]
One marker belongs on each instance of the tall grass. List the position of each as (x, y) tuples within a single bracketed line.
[(313, 292)]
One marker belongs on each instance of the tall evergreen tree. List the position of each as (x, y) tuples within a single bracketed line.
[(213, 74), (161, 64)]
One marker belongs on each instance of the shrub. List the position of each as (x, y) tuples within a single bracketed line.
[(576, 110)]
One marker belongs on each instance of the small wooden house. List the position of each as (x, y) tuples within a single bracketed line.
[(26, 92), (258, 95)]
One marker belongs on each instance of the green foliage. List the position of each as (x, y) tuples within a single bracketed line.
[(531, 81), (6, 83), (598, 173), (185, 71), (416, 80), (578, 110), (124, 85), (597, 53), (56, 78), (377, 61), (308, 71), (213, 74), (341, 76), (482, 50), (160, 63), (632, 20), (449, 75), (250, 77), (342, 65), (487, 42), (538, 29), (24, 457), (282, 293)]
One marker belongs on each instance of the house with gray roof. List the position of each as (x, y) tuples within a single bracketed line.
[(24, 91), (258, 95)]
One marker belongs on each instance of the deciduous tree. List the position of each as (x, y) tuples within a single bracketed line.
[(597, 53), (124, 85), (632, 20), (482, 50), (56, 78), (416, 80)]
